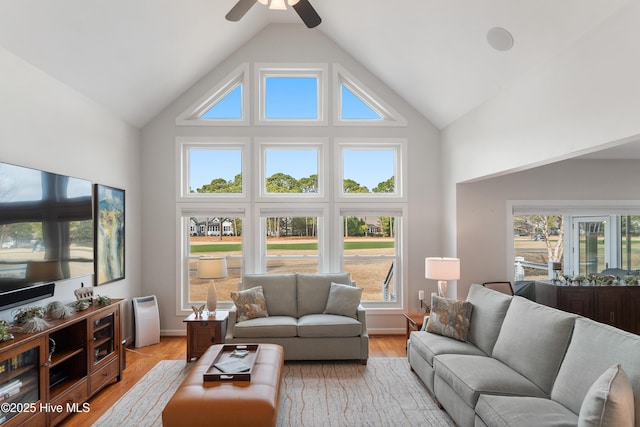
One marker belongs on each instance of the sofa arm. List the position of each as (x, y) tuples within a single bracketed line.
[(362, 318), (231, 321)]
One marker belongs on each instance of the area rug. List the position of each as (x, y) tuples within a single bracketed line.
[(383, 393)]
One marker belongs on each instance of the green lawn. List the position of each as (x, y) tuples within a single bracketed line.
[(236, 247)]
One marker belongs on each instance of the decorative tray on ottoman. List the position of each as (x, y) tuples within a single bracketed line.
[(234, 362)]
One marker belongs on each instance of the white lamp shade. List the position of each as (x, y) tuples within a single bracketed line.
[(442, 268), (212, 268)]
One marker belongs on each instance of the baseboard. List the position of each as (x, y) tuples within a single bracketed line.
[(173, 332), (387, 331)]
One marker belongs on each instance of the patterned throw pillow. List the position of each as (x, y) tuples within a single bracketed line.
[(449, 318), (250, 304)]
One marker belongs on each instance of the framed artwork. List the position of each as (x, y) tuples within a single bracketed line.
[(109, 234)]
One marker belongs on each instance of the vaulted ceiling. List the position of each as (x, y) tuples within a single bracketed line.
[(135, 56)]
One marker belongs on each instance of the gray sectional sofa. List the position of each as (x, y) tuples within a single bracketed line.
[(524, 364), (296, 305)]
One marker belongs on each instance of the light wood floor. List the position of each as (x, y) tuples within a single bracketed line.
[(141, 360)]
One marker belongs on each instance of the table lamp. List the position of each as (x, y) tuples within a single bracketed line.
[(442, 269), (212, 268)]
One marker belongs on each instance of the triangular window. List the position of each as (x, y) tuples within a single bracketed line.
[(354, 108), (355, 104), (225, 104), (227, 107)]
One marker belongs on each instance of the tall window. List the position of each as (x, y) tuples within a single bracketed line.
[(218, 235), (371, 253)]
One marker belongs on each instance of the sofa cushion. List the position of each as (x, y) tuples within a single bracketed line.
[(533, 340), (609, 401), (503, 411), (250, 304), (428, 345), (470, 376), (449, 318), (489, 309), (313, 291), (343, 300), (328, 325), (594, 348), (272, 327), (279, 292)]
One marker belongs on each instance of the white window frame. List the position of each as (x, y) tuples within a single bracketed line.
[(319, 144), (191, 116), (184, 211), (184, 144), (399, 145), (318, 71)]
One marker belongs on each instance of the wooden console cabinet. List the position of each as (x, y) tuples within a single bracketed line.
[(45, 376), (618, 306)]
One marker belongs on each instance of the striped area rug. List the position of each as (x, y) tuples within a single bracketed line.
[(383, 393)]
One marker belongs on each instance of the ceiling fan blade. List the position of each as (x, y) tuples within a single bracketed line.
[(240, 9), (307, 13)]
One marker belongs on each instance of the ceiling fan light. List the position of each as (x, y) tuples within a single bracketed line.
[(277, 5), (292, 2)]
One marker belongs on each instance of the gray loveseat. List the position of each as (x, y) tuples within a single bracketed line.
[(525, 364), (297, 321)]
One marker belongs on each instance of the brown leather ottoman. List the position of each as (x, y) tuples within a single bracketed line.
[(228, 403)]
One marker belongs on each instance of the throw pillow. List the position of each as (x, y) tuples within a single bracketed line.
[(449, 318), (609, 401), (250, 304), (343, 300)]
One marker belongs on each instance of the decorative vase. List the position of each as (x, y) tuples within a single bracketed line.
[(212, 298)]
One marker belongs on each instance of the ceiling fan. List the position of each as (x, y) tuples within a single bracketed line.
[(302, 7)]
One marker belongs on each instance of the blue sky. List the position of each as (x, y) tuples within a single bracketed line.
[(293, 98)]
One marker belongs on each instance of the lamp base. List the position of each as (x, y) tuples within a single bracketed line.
[(442, 288), (212, 298)]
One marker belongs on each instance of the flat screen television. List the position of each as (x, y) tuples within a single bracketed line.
[(46, 232)]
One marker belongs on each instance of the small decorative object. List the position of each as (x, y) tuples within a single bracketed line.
[(198, 310), (109, 238), (29, 320), (5, 331), (103, 300), (58, 310), (212, 268), (83, 293), (80, 305)]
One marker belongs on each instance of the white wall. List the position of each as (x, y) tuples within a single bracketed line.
[(585, 99), (46, 125), (483, 222), (287, 44)]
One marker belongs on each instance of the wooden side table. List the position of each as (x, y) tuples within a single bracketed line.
[(205, 331), (414, 321)]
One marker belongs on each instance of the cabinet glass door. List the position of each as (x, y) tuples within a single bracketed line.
[(103, 337), (19, 380)]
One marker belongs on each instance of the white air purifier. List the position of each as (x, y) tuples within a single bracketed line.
[(147, 320)]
